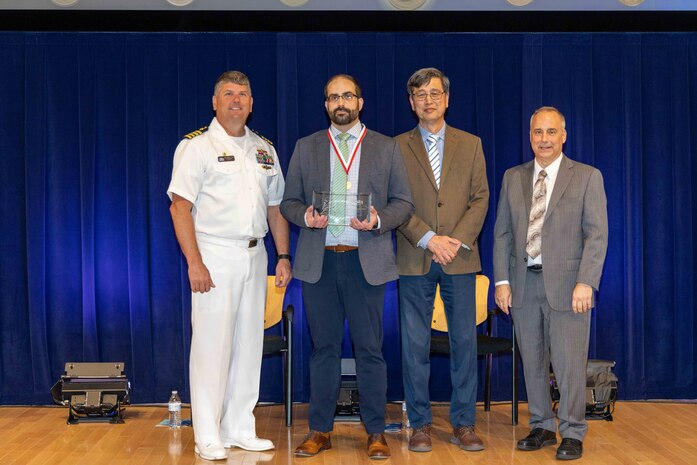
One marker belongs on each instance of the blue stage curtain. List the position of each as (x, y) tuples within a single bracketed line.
[(90, 267)]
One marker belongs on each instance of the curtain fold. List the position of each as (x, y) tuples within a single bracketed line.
[(89, 264)]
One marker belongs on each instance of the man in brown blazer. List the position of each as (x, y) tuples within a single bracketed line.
[(550, 240), (438, 245)]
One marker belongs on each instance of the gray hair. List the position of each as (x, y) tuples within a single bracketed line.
[(552, 109), (233, 77), (424, 76)]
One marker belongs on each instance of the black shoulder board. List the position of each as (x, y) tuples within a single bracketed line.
[(195, 133), (263, 138)]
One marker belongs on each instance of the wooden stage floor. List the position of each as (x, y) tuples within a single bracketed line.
[(642, 433)]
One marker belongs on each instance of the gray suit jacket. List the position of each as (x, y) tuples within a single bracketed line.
[(574, 234), (382, 173)]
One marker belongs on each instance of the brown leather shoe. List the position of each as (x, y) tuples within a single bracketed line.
[(313, 444), (467, 439), (377, 446), (420, 440)]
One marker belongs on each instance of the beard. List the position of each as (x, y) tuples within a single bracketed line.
[(341, 120)]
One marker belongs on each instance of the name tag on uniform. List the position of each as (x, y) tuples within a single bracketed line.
[(223, 158)]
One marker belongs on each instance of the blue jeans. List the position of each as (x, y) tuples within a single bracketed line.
[(416, 296)]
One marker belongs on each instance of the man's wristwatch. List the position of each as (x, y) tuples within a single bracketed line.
[(283, 256)]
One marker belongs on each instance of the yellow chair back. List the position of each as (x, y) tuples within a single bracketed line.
[(481, 297), (274, 302)]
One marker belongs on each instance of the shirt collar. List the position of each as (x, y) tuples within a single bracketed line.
[(217, 130), (355, 130), (551, 170), (425, 133)]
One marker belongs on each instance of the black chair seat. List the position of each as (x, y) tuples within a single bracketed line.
[(274, 345), (485, 344), (440, 345), (492, 345)]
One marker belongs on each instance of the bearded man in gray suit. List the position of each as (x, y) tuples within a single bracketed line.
[(550, 241), (344, 267)]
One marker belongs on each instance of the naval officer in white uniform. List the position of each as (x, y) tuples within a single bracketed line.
[(226, 189)]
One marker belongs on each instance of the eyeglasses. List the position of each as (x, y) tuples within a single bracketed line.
[(348, 96), (434, 94)]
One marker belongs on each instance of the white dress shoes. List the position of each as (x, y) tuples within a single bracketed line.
[(211, 451), (251, 444)]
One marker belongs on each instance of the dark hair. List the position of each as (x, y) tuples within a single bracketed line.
[(423, 76), (345, 76)]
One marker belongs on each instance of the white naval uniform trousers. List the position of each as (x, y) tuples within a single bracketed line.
[(230, 182), (227, 341)]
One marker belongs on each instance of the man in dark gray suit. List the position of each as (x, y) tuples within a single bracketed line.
[(344, 267), (550, 240)]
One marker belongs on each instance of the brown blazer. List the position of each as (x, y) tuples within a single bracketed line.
[(458, 209)]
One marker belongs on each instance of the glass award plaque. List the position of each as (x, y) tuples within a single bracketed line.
[(340, 208)]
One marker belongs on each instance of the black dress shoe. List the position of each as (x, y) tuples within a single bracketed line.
[(570, 449), (537, 439)]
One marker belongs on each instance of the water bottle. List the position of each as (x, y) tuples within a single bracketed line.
[(175, 410), (405, 416)]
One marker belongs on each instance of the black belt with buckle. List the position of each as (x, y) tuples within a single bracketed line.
[(536, 268), (253, 243)]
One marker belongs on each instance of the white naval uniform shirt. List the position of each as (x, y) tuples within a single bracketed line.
[(229, 180)]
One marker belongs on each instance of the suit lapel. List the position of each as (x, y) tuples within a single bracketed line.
[(322, 161), (368, 160), (526, 180), (564, 175), (418, 151), (448, 152)]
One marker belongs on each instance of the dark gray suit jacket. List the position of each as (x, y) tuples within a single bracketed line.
[(574, 234), (381, 173)]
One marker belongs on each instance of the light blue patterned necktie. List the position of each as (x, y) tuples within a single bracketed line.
[(434, 157), (339, 178)]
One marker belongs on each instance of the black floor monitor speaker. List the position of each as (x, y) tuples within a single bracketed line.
[(601, 390), (347, 406), (93, 392)]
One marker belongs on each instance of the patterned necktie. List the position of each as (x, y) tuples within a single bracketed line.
[(537, 216), (339, 177), (433, 157)]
